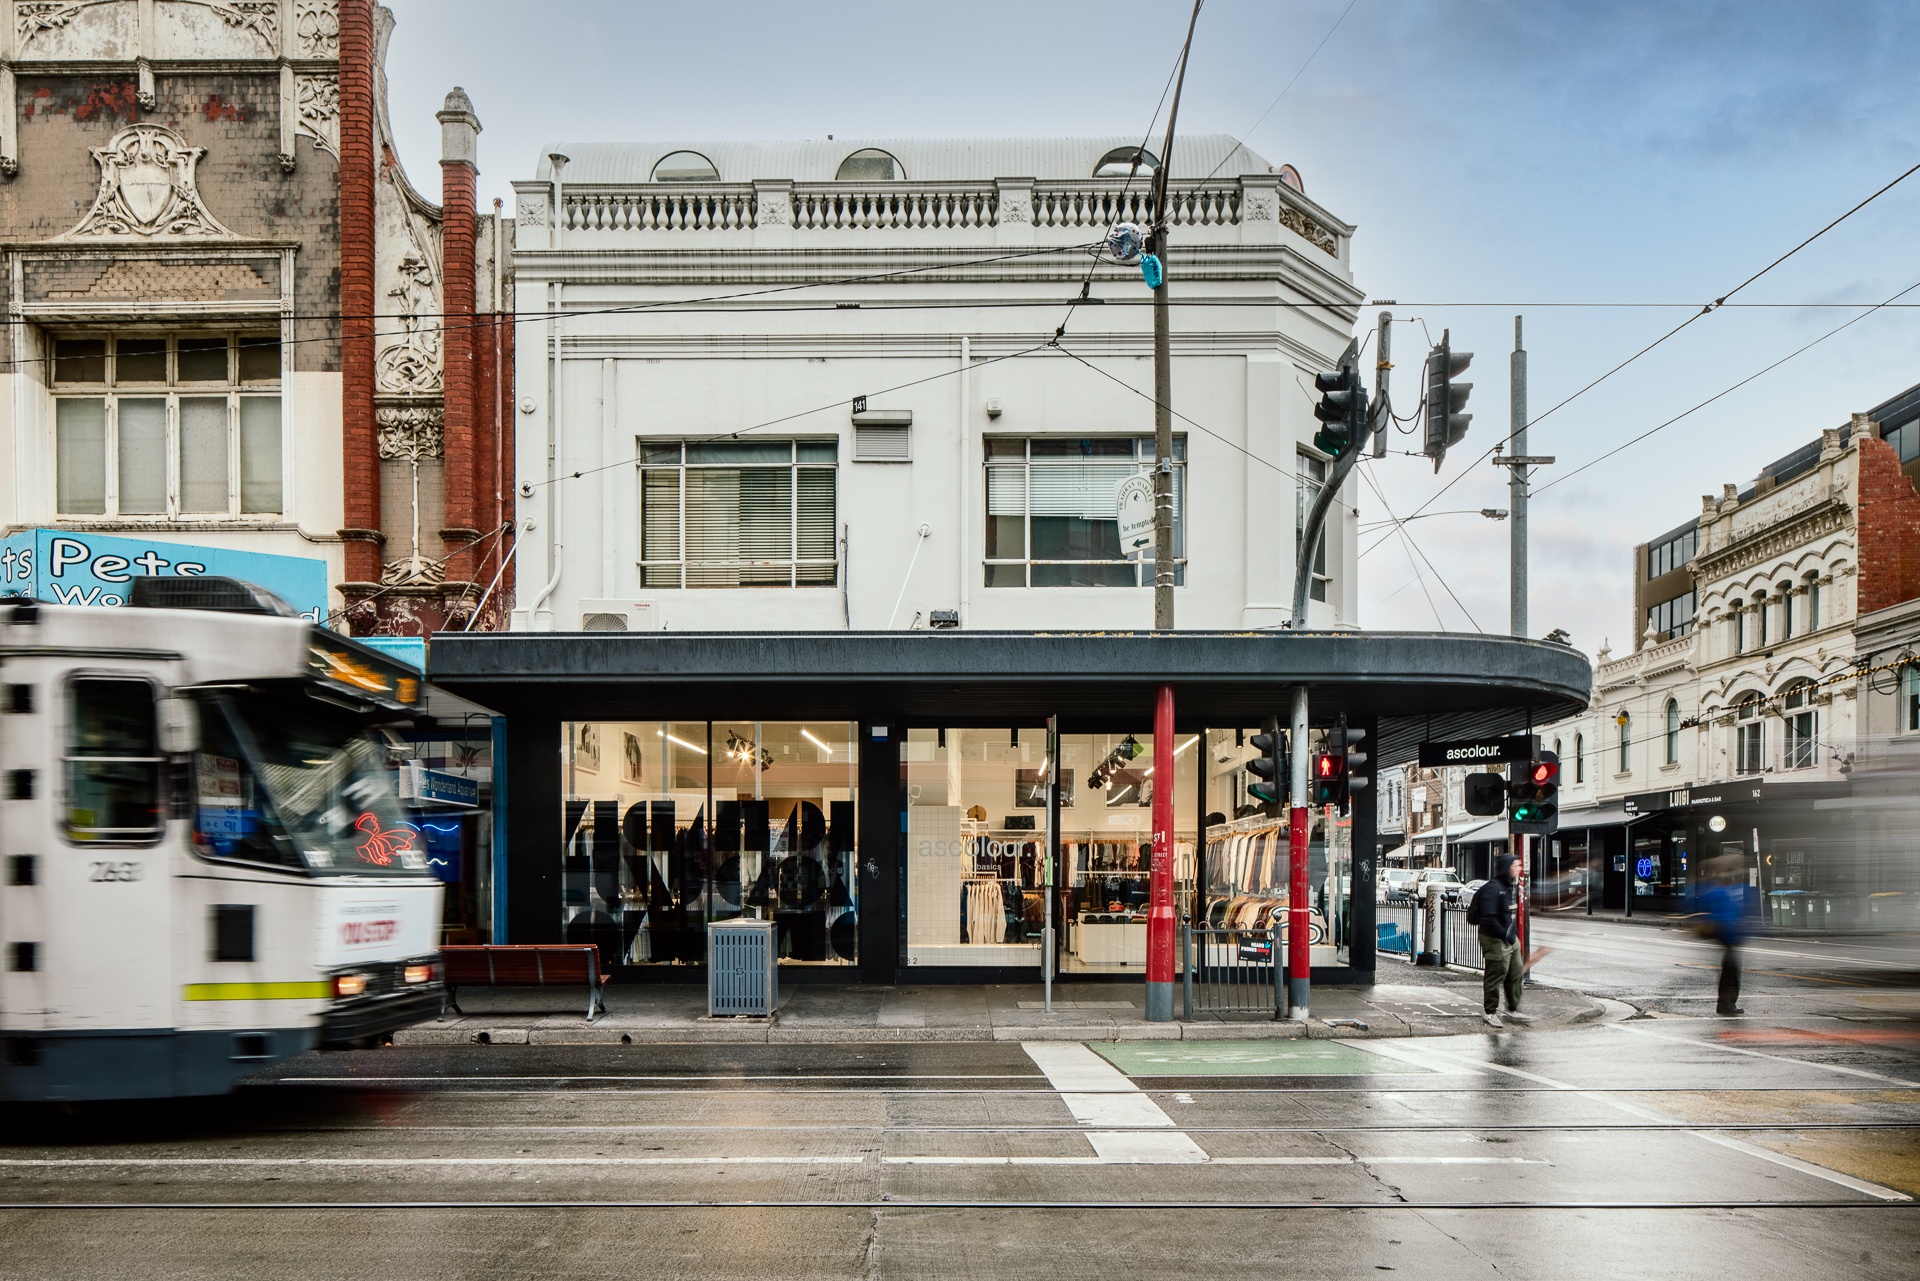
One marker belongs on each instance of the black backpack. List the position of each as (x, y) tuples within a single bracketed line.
[(1473, 906)]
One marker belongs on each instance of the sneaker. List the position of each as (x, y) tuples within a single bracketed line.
[(1493, 1020), (1728, 1011), (1518, 1017)]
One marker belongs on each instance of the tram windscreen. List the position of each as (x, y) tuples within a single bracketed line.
[(290, 780)]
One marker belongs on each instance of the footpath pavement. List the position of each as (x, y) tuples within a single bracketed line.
[(1407, 1001)]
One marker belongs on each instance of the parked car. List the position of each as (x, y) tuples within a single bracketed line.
[(1393, 885), (1465, 894), (1444, 877)]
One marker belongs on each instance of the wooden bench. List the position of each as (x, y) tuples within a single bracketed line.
[(525, 965)]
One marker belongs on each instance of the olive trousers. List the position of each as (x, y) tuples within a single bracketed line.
[(1503, 970)]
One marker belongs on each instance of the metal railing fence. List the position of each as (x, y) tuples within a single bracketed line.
[(1232, 971)]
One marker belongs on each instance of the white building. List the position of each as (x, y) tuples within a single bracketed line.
[(690, 423)]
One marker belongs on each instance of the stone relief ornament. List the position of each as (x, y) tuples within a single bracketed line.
[(317, 111), (1309, 230), (262, 17), (1259, 209), (531, 211), (147, 189), (35, 18), (412, 365), (410, 433), (316, 26)]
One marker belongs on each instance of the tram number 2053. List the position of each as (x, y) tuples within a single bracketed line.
[(117, 872)]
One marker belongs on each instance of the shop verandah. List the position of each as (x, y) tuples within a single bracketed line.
[(880, 796)]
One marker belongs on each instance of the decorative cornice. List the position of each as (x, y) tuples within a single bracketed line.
[(1827, 517)]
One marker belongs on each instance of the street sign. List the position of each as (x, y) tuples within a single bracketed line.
[(1133, 503), (1522, 460), (1478, 751)]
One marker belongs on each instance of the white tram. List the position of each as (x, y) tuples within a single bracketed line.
[(206, 868)]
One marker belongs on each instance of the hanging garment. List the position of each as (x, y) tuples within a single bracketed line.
[(984, 911)]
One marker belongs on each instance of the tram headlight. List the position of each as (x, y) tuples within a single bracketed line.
[(349, 984), (419, 973)]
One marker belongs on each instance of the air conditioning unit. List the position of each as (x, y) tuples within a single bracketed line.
[(619, 616)]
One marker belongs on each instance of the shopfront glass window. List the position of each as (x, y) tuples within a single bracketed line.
[(1247, 864), (1660, 865), (668, 826), (977, 840)]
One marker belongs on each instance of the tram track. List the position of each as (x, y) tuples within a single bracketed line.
[(901, 1203)]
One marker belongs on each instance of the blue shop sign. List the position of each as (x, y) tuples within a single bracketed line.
[(78, 567)]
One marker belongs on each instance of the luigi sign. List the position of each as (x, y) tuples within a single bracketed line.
[(1134, 504)]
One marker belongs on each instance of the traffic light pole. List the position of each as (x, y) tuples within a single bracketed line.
[(1299, 923)]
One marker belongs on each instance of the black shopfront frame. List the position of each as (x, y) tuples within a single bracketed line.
[(887, 683)]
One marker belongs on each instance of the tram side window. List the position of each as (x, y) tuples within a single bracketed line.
[(113, 765), (234, 817)]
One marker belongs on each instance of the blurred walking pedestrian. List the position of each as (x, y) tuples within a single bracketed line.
[(1722, 901), (1495, 910)]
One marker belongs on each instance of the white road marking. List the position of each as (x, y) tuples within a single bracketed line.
[(432, 1160), (1792, 1163), (1116, 1109), (1149, 1148), (1070, 1065), (1098, 1093), (1777, 1058)]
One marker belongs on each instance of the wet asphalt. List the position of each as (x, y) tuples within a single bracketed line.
[(1777, 1145)]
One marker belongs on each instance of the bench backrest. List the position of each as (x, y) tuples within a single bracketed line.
[(522, 964)]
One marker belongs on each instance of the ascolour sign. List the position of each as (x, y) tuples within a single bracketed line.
[(77, 567), (1476, 751)]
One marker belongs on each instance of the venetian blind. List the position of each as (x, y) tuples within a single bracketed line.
[(660, 526)]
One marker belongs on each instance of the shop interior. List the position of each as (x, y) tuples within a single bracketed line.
[(646, 869)]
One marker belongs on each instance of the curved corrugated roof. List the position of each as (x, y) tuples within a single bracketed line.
[(924, 159)]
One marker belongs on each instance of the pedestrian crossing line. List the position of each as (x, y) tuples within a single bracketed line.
[(356, 1162)]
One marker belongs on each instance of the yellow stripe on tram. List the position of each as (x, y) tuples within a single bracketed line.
[(257, 991)]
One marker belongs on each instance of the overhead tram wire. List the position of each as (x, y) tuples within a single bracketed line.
[(1709, 308), (1401, 527), (1717, 395), (1241, 141)]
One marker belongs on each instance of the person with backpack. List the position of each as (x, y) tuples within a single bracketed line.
[(1495, 910)]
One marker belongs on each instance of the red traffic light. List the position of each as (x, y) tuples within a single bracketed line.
[(1326, 765), (1545, 771)]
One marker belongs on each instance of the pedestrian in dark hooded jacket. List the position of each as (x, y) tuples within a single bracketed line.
[(1496, 910)]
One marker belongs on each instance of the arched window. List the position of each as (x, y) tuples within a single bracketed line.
[(1785, 591), (1799, 718), (1290, 177), (1764, 629), (1737, 622), (870, 164), (685, 166), (1579, 758), (1746, 737), (1673, 732), (1626, 741), (1126, 162), (1813, 601)]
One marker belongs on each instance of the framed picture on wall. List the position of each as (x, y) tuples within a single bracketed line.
[(631, 761), (586, 746)]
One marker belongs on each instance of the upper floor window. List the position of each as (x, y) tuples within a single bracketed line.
[(1813, 602), (1051, 514), (1910, 691), (685, 166), (1626, 742), (1673, 617), (870, 164), (1737, 622), (1673, 732), (1664, 558), (1579, 758), (1126, 162), (1747, 736), (1785, 591), (738, 513), (167, 425), (1764, 608), (1905, 439), (1799, 719)]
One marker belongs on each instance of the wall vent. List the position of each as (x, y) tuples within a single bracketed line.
[(883, 436)]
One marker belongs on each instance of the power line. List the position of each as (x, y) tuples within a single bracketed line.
[(1706, 310), (1241, 141), (1401, 526), (1717, 395)]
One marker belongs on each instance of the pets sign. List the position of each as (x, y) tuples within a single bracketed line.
[(78, 567)]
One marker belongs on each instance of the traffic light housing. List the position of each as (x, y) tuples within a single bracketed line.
[(1329, 781), (1348, 743), (1533, 798), (1445, 423), (1486, 794), (1342, 411), (1269, 769)]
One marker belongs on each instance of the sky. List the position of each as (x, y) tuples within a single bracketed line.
[(1602, 170)]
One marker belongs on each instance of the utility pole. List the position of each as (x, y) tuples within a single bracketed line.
[(1160, 920), (1517, 485), (1382, 367)]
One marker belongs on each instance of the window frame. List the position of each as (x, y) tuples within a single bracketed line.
[(135, 838), (1801, 726), (1143, 461), (1673, 732), (1910, 686), (110, 392), (649, 451), (1626, 744), (1749, 744), (653, 174), (1580, 758), (1309, 477)]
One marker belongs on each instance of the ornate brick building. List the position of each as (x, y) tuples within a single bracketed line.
[(239, 340)]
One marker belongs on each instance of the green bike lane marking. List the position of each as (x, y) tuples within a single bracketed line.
[(1250, 1058)]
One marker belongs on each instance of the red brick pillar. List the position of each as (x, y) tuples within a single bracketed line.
[(458, 132), (360, 472)]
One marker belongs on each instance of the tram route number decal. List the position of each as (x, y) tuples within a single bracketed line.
[(117, 872)]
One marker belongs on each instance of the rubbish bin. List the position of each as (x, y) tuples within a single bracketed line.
[(1789, 909), (743, 974)]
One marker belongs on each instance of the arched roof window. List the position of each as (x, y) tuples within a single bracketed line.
[(1125, 162), (870, 164), (685, 166)]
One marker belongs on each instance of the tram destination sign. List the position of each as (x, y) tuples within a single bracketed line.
[(1480, 751)]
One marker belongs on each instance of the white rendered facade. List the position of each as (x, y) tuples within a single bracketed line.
[(935, 295)]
